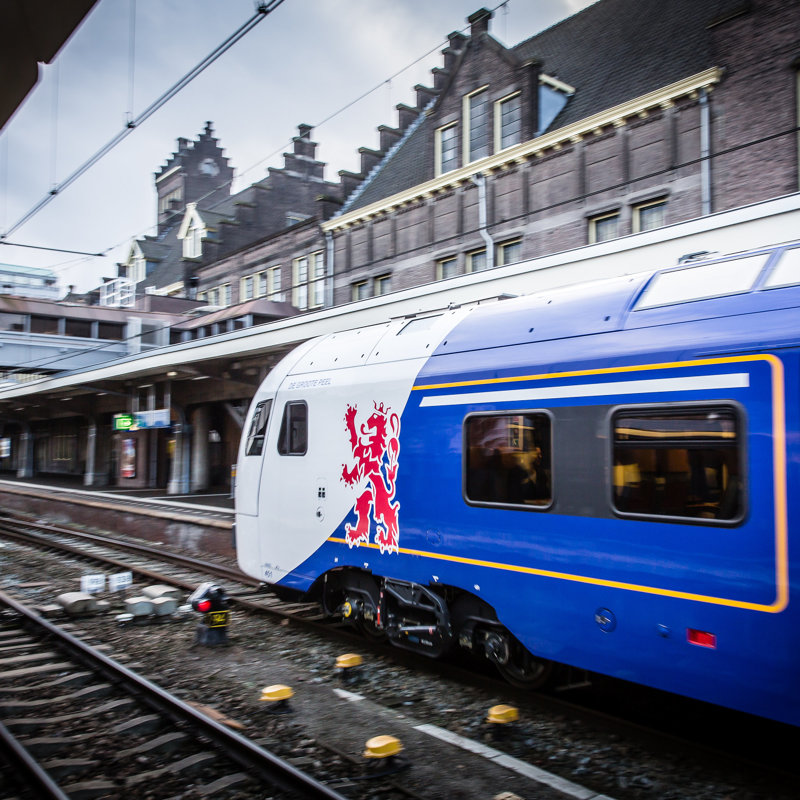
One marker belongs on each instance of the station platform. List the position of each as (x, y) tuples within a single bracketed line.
[(214, 497), (202, 523)]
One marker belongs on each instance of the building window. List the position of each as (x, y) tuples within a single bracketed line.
[(171, 200), (48, 325), (476, 126), (114, 331), (293, 438), (446, 268), (383, 284), (508, 121), (137, 271), (603, 227), (118, 292), (12, 322), (300, 283), (247, 288), (476, 261), (218, 295), (509, 252), (318, 277), (508, 459), (360, 290), (446, 149), (308, 281), (274, 284), (678, 462), (78, 327), (648, 216), (193, 241)]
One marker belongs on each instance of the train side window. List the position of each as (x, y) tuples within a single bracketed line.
[(258, 429), (293, 439), (683, 462), (508, 459)]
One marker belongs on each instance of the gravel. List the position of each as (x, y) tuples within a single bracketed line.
[(326, 736)]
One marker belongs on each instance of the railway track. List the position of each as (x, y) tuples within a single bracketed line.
[(148, 561), (142, 740), (188, 572)]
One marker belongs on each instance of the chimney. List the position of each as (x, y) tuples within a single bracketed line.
[(479, 22), (303, 146)]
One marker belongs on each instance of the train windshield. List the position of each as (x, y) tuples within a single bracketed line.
[(258, 429)]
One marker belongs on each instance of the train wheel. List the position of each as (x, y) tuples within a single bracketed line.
[(524, 670), (368, 629)]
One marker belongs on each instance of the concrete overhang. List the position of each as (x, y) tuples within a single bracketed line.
[(744, 228)]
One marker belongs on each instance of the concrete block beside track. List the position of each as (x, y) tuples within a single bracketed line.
[(164, 606), (139, 606), (77, 603), (160, 590)]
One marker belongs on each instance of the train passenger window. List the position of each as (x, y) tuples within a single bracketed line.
[(683, 462), (258, 429), (508, 459), (293, 439)]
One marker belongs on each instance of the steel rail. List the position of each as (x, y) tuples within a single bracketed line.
[(220, 570), (249, 755), (34, 776)]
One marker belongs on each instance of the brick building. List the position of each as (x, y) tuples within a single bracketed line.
[(630, 115)]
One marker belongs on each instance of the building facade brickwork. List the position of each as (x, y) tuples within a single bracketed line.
[(629, 115)]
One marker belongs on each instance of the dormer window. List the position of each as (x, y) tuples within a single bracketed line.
[(193, 241), (138, 269), (491, 122), (553, 96)]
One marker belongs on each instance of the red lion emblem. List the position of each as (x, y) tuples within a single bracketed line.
[(375, 449)]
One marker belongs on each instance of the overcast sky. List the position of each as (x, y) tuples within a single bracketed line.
[(305, 62)]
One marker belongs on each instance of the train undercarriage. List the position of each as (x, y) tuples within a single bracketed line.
[(430, 621)]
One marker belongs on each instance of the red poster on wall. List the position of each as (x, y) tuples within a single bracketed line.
[(128, 460)]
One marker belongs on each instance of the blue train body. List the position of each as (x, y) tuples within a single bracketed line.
[(602, 477)]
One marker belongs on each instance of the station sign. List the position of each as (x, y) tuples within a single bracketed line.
[(142, 420), (157, 418), (123, 422)]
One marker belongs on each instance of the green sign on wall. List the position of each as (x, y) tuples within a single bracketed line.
[(123, 422)]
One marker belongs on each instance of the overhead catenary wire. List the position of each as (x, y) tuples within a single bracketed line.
[(144, 232), (261, 13), (131, 59), (793, 131)]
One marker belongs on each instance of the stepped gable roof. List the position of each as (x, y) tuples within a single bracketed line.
[(611, 52), (400, 170)]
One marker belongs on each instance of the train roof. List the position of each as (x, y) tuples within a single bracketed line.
[(743, 283)]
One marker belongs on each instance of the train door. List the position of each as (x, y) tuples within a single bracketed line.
[(248, 471)]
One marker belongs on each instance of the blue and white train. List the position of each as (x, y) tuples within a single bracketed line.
[(602, 476)]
